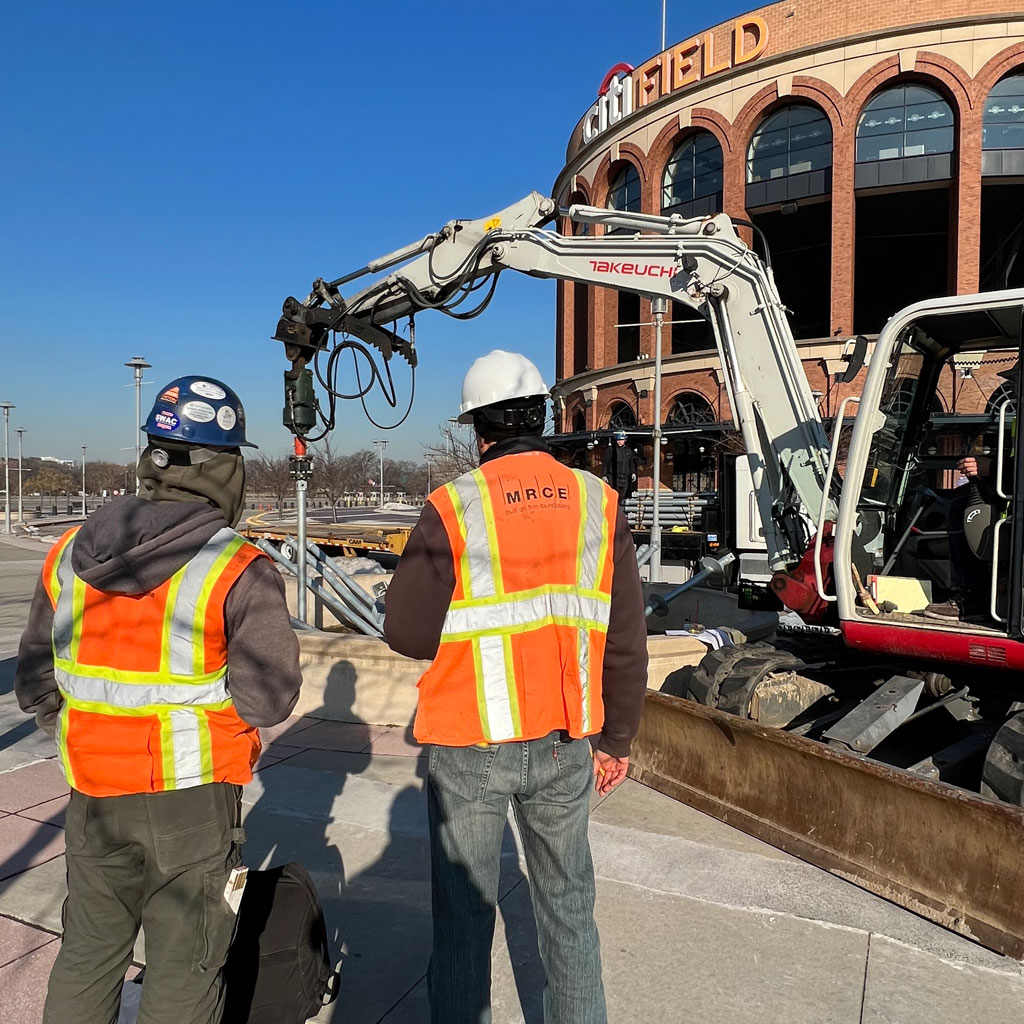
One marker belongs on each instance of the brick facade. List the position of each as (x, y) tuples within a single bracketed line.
[(835, 55)]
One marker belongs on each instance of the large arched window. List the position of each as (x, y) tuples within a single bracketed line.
[(624, 194), (692, 185), (1005, 392), (689, 410), (794, 140), (579, 422), (904, 121), (1003, 117), (621, 416)]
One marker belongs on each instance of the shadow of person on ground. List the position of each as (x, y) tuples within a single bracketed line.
[(291, 801)]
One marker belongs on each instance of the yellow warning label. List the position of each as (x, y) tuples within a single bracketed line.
[(494, 222)]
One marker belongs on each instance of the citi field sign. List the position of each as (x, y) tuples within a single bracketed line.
[(626, 88)]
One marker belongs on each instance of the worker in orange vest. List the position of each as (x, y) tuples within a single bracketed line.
[(158, 641), (520, 584)]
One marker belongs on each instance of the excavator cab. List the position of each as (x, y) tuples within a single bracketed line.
[(932, 548)]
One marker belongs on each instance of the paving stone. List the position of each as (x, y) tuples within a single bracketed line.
[(906, 986), (344, 736), (19, 731), (31, 785), (394, 770), (51, 811), (17, 939), (396, 740), (23, 984), (24, 844), (633, 805), (14, 757), (36, 896), (291, 726)]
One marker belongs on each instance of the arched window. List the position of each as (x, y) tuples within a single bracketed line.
[(1003, 117), (692, 185), (621, 416), (794, 140), (904, 121), (1005, 391), (624, 194), (689, 410), (579, 422)]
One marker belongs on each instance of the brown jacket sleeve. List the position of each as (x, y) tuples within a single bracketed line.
[(263, 652), (421, 591), (34, 682), (625, 656)]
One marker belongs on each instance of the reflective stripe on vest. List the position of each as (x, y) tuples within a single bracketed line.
[(178, 693), (487, 616)]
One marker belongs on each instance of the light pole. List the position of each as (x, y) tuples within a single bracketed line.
[(7, 407), (138, 364), (381, 445), (659, 307), (83, 479), (20, 431)]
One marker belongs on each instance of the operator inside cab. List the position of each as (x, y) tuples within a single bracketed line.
[(974, 511)]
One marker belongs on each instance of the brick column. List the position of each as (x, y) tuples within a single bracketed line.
[(844, 213), (968, 202)]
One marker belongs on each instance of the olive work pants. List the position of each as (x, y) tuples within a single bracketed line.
[(159, 861)]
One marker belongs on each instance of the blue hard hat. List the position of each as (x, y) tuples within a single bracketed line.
[(620, 435), (200, 411)]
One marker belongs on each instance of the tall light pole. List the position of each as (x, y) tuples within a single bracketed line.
[(7, 407), (20, 431), (83, 480), (659, 307), (381, 445), (138, 364)]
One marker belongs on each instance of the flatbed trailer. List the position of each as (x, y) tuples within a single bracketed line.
[(346, 539)]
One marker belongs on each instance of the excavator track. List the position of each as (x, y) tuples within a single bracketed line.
[(949, 855)]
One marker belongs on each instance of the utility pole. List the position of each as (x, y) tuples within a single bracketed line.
[(20, 431), (659, 307), (138, 364), (382, 445), (7, 407), (83, 480), (663, 2)]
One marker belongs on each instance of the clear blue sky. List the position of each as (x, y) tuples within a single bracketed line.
[(173, 171)]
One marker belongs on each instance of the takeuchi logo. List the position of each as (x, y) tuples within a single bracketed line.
[(625, 88)]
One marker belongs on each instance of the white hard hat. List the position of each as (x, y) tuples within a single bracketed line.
[(498, 377)]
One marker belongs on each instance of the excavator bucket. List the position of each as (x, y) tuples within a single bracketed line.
[(951, 856)]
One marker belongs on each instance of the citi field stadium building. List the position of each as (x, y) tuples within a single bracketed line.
[(878, 146)]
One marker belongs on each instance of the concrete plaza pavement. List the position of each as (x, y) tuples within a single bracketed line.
[(699, 922)]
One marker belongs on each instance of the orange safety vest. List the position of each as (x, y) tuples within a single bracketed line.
[(522, 647), (143, 677)]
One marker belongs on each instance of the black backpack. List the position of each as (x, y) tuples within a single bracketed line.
[(278, 970)]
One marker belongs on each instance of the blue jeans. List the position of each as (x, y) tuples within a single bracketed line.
[(468, 791)]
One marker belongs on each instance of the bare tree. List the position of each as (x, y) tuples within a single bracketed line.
[(268, 474), (451, 456), (330, 474)]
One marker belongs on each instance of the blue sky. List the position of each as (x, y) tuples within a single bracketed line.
[(173, 171)]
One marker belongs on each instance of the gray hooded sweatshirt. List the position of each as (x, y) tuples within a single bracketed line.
[(131, 546)]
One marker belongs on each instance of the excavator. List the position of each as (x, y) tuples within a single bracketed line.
[(877, 742)]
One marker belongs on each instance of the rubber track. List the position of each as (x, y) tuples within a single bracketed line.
[(737, 689), (715, 667), (1003, 773)]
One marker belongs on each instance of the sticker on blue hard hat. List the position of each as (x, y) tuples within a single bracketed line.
[(198, 412), (166, 420), (225, 417), (207, 389), (170, 396)]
